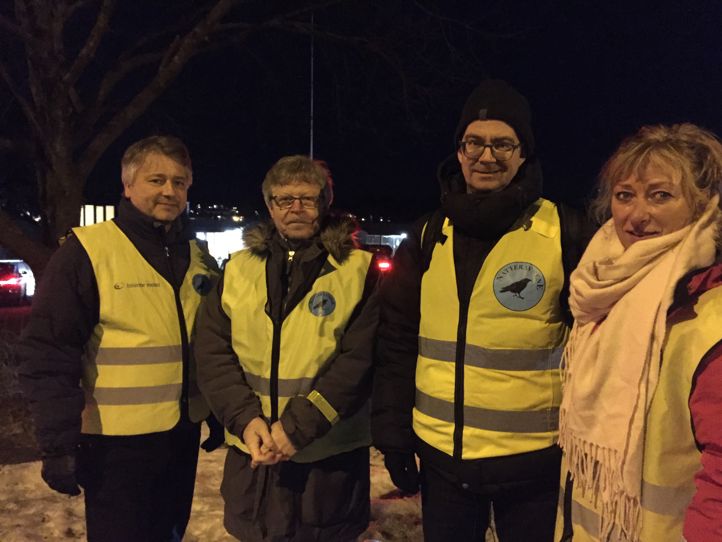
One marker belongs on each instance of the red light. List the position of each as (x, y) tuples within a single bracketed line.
[(383, 265), (10, 279)]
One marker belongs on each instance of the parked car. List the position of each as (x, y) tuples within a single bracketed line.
[(382, 256), (17, 283)]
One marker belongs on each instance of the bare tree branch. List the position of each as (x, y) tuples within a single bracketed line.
[(87, 53), (6, 25), (7, 144), (72, 8), (22, 101), (185, 48), (26, 20)]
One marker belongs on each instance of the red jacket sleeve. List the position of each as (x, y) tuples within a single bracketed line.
[(703, 520)]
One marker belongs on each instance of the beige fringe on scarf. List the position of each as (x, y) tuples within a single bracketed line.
[(619, 299)]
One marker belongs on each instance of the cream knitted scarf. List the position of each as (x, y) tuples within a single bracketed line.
[(619, 299)]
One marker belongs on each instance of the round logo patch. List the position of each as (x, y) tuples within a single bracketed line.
[(322, 304), (201, 284), (519, 286)]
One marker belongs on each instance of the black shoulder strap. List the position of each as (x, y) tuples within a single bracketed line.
[(431, 236), (576, 231)]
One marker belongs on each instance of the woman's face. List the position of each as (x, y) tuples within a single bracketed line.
[(649, 205)]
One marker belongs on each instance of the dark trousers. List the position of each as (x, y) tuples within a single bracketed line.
[(139, 487), (322, 501), (522, 513)]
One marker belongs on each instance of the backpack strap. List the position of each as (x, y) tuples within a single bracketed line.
[(576, 231), (430, 236)]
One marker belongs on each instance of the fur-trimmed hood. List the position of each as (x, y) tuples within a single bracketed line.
[(337, 235)]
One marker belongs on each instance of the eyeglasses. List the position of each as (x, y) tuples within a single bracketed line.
[(501, 149), (286, 202)]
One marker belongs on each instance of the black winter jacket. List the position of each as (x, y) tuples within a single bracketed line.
[(345, 380), (481, 221), (66, 310)]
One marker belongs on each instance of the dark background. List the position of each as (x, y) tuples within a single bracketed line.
[(593, 72)]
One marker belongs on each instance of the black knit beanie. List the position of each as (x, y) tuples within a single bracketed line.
[(495, 99)]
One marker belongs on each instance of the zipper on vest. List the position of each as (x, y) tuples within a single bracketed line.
[(275, 359), (459, 379), (183, 333)]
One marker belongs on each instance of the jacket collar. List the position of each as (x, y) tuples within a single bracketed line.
[(134, 221), (337, 236)]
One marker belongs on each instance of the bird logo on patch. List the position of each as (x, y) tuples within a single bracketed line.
[(322, 304), (519, 286)]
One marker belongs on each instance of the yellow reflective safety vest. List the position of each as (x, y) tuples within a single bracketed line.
[(133, 363), (487, 375), (671, 457), (303, 342)]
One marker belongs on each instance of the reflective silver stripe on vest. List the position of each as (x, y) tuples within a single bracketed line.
[(511, 421), (589, 520), (287, 387), (142, 355), (666, 501), (137, 396), (586, 518), (485, 358)]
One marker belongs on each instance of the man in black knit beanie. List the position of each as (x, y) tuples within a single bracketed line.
[(467, 369)]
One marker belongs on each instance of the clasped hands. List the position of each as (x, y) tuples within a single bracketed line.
[(267, 445)]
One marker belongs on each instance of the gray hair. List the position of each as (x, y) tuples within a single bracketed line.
[(169, 146), (299, 168)]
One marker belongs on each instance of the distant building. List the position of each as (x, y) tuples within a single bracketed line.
[(382, 233), (218, 226)]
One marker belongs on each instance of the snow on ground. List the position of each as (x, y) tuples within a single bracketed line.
[(33, 513)]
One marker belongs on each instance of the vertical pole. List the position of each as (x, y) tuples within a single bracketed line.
[(310, 151)]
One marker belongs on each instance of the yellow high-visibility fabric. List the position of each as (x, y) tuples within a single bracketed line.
[(309, 337), (671, 456), (512, 345), (133, 367)]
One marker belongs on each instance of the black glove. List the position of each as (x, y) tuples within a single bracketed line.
[(403, 471), (59, 473), (216, 437)]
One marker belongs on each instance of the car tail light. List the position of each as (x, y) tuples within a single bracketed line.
[(383, 265), (10, 279)]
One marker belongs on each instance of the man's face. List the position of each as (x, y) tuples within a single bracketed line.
[(486, 173), (297, 221), (159, 188)]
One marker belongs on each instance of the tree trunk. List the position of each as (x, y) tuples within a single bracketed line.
[(63, 203)]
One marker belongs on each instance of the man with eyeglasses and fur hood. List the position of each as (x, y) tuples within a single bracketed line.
[(284, 349), (473, 323)]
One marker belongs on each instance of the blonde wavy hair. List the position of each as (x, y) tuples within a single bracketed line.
[(689, 153)]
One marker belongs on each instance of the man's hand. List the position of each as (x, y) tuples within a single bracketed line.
[(216, 436), (257, 437), (59, 473), (403, 471), (281, 439)]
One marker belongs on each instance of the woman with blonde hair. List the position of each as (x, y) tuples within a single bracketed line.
[(640, 417)]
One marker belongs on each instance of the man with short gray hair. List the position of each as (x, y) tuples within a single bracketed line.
[(107, 366)]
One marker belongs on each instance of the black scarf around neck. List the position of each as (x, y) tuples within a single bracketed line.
[(488, 215)]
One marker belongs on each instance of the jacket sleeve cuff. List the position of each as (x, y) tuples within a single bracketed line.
[(303, 422), (240, 423)]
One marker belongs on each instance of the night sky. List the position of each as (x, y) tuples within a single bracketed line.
[(592, 71)]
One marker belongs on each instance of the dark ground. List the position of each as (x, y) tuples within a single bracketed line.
[(17, 443)]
